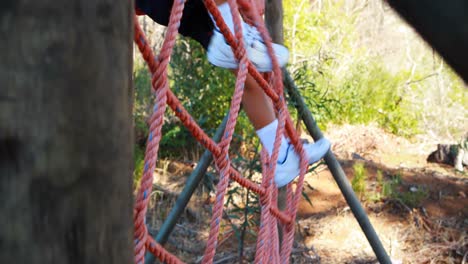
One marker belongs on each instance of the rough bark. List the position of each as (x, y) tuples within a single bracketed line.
[(274, 19), (65, 131)]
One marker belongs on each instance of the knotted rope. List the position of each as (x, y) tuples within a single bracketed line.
[(267, 248)]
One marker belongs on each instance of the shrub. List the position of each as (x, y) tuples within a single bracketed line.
[(359, 182)]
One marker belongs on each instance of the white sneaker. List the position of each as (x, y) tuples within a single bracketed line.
[(221, 55), (288, 169)]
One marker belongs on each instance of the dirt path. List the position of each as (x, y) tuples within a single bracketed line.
[(433, 229)]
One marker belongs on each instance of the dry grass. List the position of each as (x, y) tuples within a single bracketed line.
[(331, 236), (364, 140), (435, 240)]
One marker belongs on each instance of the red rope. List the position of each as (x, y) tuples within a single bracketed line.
[(161, 86), (268, 250), (159, 252)]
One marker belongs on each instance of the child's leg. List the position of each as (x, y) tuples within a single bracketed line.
[(257, 104), (259, 109)]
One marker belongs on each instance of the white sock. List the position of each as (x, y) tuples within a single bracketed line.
[(225, 11), (267, 135)]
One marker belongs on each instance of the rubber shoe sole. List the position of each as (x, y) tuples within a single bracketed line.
[(288, 170)]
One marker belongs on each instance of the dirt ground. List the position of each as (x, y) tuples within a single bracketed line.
[(433, 231)]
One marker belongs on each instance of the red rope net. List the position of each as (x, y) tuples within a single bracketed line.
[(268, 248)]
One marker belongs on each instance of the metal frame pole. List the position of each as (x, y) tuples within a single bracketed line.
[(335, 168), (192, 182), (337, 172)]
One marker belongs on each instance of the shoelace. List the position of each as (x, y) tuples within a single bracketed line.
[(251, 34)]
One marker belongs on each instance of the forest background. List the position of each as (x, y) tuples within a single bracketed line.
[(355, 62)]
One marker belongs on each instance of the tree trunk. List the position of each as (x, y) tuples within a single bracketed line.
[(65, 131), (274, 19), (274, 23)]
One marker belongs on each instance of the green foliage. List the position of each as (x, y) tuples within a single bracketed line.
[(142, 102), (243, 204), (366, 93), (341, 79), (371, 94), (396, 190), (359, 182), (389, 188), (204, 90), (386, 189), (138, 161), (333, 64), (375, 192), (318, 102), (413, 198), (141, 106)]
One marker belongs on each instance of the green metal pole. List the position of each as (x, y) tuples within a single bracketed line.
[(192, 182), (338, 173)]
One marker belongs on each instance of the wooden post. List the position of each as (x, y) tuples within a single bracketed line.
[(274, 24), (274, 20), (65, 131), (184, 197), (338, 173)]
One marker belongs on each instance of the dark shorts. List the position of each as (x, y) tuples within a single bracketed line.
[(195, 23)]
